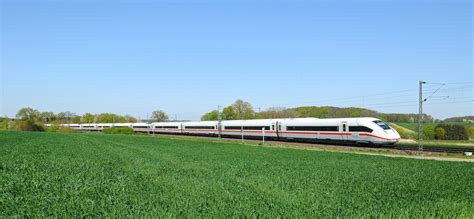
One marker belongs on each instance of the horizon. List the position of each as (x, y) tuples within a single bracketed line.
[(188, 57)]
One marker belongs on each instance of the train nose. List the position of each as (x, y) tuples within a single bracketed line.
[(392, 134)]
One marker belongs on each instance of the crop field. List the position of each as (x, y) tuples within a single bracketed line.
[(63, 175)]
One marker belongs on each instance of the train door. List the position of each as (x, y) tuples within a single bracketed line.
[(274, 128), (344, 130)]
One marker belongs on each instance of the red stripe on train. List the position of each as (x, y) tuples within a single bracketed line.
[(269, 132)]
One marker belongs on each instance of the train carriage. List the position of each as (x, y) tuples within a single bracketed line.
[(200, 128), (337, 130), (249, 128), (167, 127), (312, 128), (141, 127)]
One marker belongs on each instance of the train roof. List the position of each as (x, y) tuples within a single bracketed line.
[(302, 119)]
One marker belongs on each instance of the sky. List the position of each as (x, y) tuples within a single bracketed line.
[(188, 57)]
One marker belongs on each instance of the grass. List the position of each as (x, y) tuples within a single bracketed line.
[(409, 125), (414, 126), (440, 144), (403, 128), (64, 175)]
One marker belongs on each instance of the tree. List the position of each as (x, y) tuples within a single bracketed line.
[(243, 110), (440, 133), (470, 130), (228, 113), (453, 132), (130, 118), (428, 131), (110, 118), (66, 117), (28, 113), (277, 112), (88, 118), (210, 116), (159, 116), (76, 119), (47, 117), (460, 119), (4, 123), (27, 125)]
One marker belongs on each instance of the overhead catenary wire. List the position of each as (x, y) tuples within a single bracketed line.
[(367, 100)]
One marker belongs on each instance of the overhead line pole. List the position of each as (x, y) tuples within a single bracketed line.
[(420, 116), (219, 121)]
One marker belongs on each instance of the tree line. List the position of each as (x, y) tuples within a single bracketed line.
[(241, 109), (29, 119)]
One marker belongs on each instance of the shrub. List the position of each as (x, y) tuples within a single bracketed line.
[(429, 131), (400, 131), (119, 130), (470, 130), (440, 133), (55, 128), (27, 125), (454, 132), (3, 124), (66, 130), (404, 134)]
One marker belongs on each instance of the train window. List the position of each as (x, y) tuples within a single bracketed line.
[(199, 127), (256, 127), (140, 127), (360, 129), (382, 124), (273, 127), (312, 128), (233, 127), (344, 127), (167, 127), (279, 127)]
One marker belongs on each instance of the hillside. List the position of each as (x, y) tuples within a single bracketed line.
[(338, 112), (460, 119)]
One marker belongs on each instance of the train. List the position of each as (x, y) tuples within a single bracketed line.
[(363, 130)]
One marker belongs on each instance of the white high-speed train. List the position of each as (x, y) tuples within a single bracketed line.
[(340, 130)]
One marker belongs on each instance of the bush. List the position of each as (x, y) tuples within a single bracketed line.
[(453, 132), (428, 132), (55, 128), (470, 130), (404, 134), (27, 125), (3, 124), (119, 130), (66, 130), (440, 133), (400, 131)]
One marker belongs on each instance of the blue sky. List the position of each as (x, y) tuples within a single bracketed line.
[(187, 57)]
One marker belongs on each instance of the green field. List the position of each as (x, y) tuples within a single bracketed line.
[(59, 174), (414, 126)]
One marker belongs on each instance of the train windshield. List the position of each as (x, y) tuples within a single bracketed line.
[(382, 124)]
